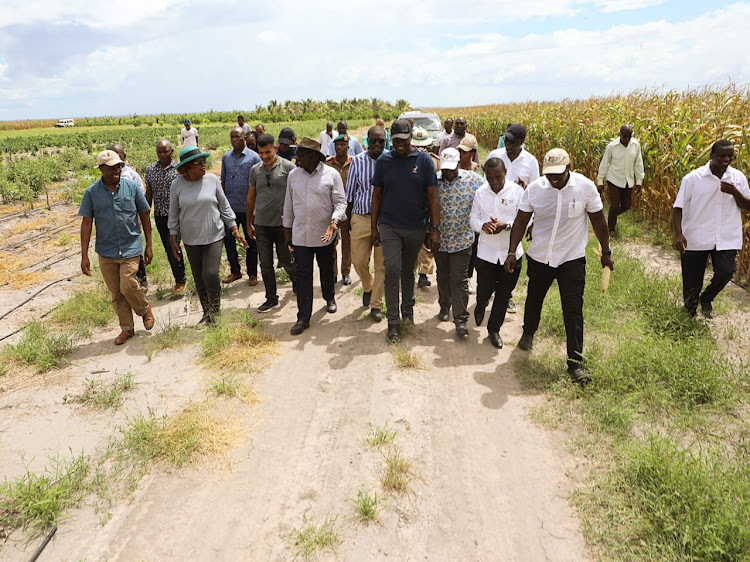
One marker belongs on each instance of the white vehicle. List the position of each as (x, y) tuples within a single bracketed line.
[(429, 121), (65, 123)]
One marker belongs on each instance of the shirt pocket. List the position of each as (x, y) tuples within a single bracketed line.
[(575, 209)]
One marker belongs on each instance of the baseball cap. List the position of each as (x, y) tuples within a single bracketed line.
[(287, 136), (555, 161), (108, 158), (449, 159), (401, 129), (515, 132), (187, 121), (468, 143), (344, 138)]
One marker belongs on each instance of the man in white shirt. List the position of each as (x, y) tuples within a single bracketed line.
[(622, 168), (559, 202), (241, 123), (189, 135), (326, 137), (492, 215), (708, 221), (521, 166), (314, 206)]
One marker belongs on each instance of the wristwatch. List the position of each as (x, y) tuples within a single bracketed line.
[(607, 252), (434, 227)]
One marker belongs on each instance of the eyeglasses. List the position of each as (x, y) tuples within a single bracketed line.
[(200, 162)]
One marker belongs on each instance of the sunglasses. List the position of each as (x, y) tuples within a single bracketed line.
[(268, 180)]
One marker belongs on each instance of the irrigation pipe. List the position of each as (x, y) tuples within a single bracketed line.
[(39, 291), (44, 544)]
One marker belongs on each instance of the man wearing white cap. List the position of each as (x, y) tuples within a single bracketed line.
[(559, 202), (456, 189), (115, 204)]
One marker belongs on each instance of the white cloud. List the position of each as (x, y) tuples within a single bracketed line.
[(623, 5)]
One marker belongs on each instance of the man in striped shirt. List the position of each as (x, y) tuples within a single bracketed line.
[(359, 200)]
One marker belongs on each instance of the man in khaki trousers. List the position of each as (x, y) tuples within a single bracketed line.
[(359, 201), (114, 204)]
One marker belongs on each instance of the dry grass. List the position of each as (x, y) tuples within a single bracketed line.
[(397, 473), (405, 358), (238, 343), (233, 387)]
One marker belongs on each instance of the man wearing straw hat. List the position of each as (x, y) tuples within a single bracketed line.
[(423, 142), (559, 202), (115, 205), (314, 207), (707, 220)]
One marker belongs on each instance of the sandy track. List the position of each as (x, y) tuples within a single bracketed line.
[(489, 485)]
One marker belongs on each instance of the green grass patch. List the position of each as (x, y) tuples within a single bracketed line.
[(366, 507), (107, 395), (397, 473), (234, 387), (315, 538), (378, 436), (169, 336), (405, 358), (89, 307), (41, 348), (238, 342)]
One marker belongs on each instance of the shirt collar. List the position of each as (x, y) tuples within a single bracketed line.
[(706, 171)]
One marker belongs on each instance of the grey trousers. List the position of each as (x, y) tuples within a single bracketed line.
[(400, 250), (453, 282)]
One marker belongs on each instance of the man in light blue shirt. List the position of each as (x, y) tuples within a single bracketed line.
[(115, 204), (354, 146)]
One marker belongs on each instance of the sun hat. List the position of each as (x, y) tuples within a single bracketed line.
[(449, 159), (190, 153), (287, 136), (108, 158), (421, 138), (311, 144), (401, 129), (555, 161), (515, 132), (468, 143)]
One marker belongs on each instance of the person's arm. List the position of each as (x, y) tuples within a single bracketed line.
[(639, 170), (149, 195), (601, 230), (743, 202), (601, 177), (377, 196), (250, 211), (86, 226), (288, 215), (148, 253), (516, 233), (434, 203), (680, 243), (223, 175)]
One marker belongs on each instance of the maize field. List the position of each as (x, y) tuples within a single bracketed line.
[(676, 131)]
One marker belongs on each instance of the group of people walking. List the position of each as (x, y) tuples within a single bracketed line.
[(398, 209)]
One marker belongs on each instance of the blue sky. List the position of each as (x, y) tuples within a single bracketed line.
[(81, 58)]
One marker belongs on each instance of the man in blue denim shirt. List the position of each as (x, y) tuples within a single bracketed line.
[(115, 205), (235, 179)]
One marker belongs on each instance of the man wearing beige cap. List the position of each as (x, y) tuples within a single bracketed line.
[(559, 201), (114, 204), (423, 142)]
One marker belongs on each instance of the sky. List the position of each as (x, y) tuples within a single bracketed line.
[(84, 58)]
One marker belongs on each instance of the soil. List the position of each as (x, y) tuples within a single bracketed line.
[(487, 482)]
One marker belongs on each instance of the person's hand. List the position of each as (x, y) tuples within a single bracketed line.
[(600, 189), (510, 263), (85, 266), (520, 182), (288, 242), (176, 250), (489, 227), (680, 243), (729, 188), (251, 231), (434, 240), (148, 255), (238, 236), (330, 233), (375, 238), (529, 233), (607, 261)]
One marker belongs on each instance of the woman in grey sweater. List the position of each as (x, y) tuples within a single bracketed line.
[(198, 211)]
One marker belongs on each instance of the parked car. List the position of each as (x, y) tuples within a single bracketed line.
[(429, 121), (65, 123)]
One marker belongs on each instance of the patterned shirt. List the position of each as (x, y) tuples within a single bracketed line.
[(456, 199), (130, 174), (160, 180), (359, 183), (235, 176)]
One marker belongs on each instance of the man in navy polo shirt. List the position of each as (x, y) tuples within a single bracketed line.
[(404, 195)]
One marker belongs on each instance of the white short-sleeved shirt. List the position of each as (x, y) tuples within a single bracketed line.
[(189, 137), (503, 206), (560, 218), (711, 219), (525, 166)]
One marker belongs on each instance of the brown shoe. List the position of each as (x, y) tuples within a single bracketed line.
[(231, 278), (179, 288), (148, 318), (124, 336), (253, 281)]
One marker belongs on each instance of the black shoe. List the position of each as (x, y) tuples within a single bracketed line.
[(376, 314), (268, 305), (461, 330), (346, 280), (511, 308), (707, 309), (331, 306), (526, 342), (299, 327), (479, 315), (366, 296), (444, 314), (424, 281), (578, 375), (496, 340), (294, 287), (393, 335), (335, 279), (408, 319)]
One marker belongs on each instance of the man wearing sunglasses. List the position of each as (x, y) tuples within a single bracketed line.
[(265, 204)]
